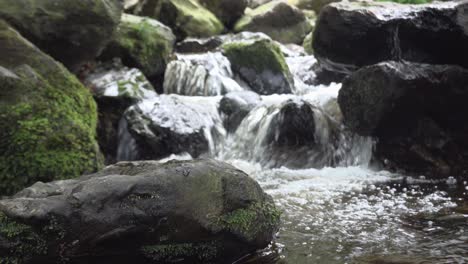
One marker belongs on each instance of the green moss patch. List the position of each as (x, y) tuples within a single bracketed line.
[(260, 55), (49, 118)]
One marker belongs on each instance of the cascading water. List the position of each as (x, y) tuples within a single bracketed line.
[(336, 208)]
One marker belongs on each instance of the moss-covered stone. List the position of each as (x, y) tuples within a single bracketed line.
[(71, 31), (189, 251), (252, 222), (142, 43), (258, 62), (279, 20), (187, 18), (308, 43), (48, 117), (199, 211)]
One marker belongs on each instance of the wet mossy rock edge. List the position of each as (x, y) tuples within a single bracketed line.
[(143, 43), (48, 116), (261, 64), (187, 18), (198, 211)]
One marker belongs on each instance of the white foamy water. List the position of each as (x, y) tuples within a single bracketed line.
[(336, 209)]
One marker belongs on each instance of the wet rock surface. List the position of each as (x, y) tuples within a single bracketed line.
[(261, 64), (171, 124), (415, 110), (187, 18), (208, 74), (237, 105), (191, 212), (279, 20), (115, 88), (142, 43), (349, 36)]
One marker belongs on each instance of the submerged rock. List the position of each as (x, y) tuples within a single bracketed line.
[(417, 112), (237, 105), (140, 212), (171, 124), (48, 118), (187, 18), (277, 19), (261, 64), (142, 43), (71, 31), (115, 88), (349, 36), (207, 74), (229, 11)]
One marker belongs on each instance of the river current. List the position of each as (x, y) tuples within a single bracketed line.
[(337, 206)]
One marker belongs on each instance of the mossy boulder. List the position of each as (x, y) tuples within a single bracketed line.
[(229, 11), (261, 64), (142, 43), (187, 18), (200, 211), (48, 118), (279, 20), (70, 31)]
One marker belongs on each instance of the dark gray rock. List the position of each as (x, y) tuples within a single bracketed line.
[(349, 36), (71, 31), (417, 112), (115, 88), (228, 11), (171, 124), (235, 106), (140, 212)]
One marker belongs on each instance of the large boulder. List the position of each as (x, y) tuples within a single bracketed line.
[(71, 31), (187, 18), (142, 43), (48, 118), (115, 88), (261, 64), (349, 36), (416, 111), (229, 11), (171, 124), (279, 20), (206, 74), (199, 211)]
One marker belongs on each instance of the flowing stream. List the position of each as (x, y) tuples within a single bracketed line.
[(337, 208)]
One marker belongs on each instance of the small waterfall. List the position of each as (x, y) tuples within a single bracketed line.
[(207, 74), (261, 137), (127, 149)]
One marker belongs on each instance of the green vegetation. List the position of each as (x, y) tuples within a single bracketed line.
[(49, 118), (168, 252), (144, 43), (252, 221), (25, 243), (260, 55)]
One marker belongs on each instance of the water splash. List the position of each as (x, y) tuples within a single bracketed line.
[(207, 74)]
